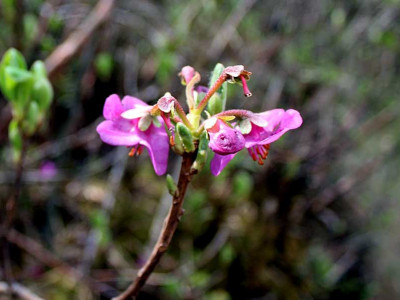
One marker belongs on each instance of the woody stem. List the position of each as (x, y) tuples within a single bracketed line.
[(170, 224)]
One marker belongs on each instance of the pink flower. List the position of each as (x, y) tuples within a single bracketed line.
[(224, 139), (129, 123), (263, 129)]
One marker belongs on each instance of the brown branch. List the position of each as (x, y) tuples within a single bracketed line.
[(167, 232), (70, 47)]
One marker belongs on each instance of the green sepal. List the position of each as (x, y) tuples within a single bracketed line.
[(171, 185), (178, 145), (201, 157), (15, 137), (217, 102), (42, 93), (186, 137)]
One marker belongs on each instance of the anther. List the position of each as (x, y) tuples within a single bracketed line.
[(172, 140), (132, 152), (139, 150)]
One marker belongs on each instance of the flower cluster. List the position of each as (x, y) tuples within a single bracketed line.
[(165, 125)]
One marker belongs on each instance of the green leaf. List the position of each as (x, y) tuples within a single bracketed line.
[(217, 102), (38, 69), (42, 93), (12, 58), (18, 86), (32, 118), (171, 185), (186, 137)]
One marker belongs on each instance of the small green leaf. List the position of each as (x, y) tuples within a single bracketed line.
[(13, 58), (171, 185), (186, 137), (18, 85), (217, 102), (38, 69), (42, 93), (32, 118)]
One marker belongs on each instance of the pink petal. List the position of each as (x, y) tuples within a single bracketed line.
[(117, 133), (112, 108), (278, 121), (156, 141), (219, 162), (224, 139)]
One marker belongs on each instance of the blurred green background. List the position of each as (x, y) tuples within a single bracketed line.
[(318, 221)]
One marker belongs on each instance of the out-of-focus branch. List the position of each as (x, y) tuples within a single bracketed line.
[(49, 259), (21, 291), (70, 47), (227, 30)]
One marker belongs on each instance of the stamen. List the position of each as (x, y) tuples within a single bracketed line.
[(246, 90), (139, 150), (259, 153), (132, 152), (172, 140), (252, 154)]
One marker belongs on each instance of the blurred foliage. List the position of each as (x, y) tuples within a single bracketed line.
[(318, 221)]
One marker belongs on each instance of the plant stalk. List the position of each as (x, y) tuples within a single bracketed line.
[(170, 224)]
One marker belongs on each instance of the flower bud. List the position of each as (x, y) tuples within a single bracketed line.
[(186, 137), (171, 185)]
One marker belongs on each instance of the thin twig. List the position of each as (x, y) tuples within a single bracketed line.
[(167, 232), (70, 47), (21, 291)]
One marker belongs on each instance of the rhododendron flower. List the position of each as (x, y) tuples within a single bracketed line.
[(129, 123), (223, 138), (263, 129)]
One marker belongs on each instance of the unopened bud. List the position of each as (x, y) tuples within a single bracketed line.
[(186, 137), (171, 185)]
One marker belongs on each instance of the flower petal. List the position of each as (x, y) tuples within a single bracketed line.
[(117, 133), (278, 121), (225, 139), (156, 141), (112, 108), (219, 162), (129, 102)]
